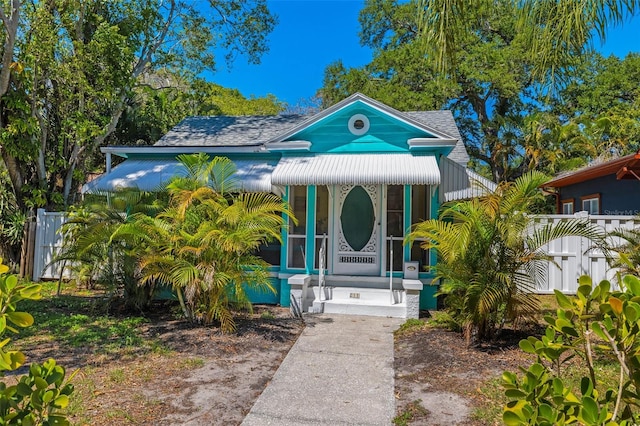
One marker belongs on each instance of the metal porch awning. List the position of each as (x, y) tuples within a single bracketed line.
[(362, 169), (152, 175)]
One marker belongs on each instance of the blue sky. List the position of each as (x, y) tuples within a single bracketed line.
[(311, 34)]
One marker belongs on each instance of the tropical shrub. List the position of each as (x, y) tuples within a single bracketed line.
[(597, 322), (96, 253), (203, 244), (38, 397), (627, 257), (490, 257)]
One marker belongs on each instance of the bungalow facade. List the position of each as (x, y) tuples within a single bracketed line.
[(357, 175), (606, 188)]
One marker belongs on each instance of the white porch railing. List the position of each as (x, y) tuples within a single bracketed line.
[(322, 260)]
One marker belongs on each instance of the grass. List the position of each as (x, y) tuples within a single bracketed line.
[(79, 321), (411, 325), (412, 410)]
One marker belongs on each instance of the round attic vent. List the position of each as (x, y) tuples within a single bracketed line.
[(358, 124)]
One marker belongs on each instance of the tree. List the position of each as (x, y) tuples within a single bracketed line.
[(490, 90), (603, 101), (73, 65), (554, 31), (490, 254), (165, 99), (204, 244)]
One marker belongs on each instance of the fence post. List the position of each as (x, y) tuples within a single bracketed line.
[(38, 252)]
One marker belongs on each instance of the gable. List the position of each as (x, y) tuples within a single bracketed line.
[(360, 124)]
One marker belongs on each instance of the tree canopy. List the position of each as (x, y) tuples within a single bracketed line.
[(71, 68), (512, 118)]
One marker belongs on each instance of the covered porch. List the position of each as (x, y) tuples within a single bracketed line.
[(346, 253)]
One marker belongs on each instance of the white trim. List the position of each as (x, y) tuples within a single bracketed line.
[(431, 142), (352, 124), (300, 145)]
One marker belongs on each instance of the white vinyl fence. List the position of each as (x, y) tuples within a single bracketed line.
[(48, 242), (572, 256)]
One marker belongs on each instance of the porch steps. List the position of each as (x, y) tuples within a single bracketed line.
[(361, 301)]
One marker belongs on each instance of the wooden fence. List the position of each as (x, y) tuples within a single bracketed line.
[(572, 256)]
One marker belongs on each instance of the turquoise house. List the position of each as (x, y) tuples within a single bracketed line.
[(358, 175)]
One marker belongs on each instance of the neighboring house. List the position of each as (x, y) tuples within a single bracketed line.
[(357, 175), (606, 188)]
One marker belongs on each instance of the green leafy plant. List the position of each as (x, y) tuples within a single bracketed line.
[(38, 397), (203, 244), (597, 322), (490, 255)]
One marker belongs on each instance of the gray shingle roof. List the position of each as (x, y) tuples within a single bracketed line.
[(256, 130), (228, 131)]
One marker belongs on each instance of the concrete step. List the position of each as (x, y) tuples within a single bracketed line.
[(360, 282), (361, 301)]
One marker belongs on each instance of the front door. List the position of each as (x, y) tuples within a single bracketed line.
[(356, 248)]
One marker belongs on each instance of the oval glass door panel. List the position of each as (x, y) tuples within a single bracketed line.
[(357, 218)]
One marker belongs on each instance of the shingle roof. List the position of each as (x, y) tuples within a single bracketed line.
[(225, 130), (443, 121), (256, 130)]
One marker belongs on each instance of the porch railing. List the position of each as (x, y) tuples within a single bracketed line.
[(322, 260), (391, 239)]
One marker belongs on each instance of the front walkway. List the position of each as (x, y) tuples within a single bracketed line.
[(339, 372)]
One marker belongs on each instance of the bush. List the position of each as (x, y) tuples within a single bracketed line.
[(597, 322), (39, 396)]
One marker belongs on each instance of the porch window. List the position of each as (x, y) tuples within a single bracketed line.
[(270, 253), (322, 221), (395, 225), (420, 211), (567, 206), (297, 233), (591, 203)]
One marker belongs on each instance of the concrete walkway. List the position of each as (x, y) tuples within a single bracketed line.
[(339, 372)]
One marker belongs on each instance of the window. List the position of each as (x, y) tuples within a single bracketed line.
[(420, 211), (322, 221), (567, 206), (270, 253), (591, 203), (297, 233), (395, 225), (358, 124)]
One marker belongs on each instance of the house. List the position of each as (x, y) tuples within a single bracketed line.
[(357, 175), (606, 188)]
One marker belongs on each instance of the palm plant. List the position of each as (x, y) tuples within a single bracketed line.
[(203, 244), (95, 251), (491, 256), (628, 252)]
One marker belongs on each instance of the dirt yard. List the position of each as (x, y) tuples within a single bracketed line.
[(441, 381), (191, 376), (176, 373)]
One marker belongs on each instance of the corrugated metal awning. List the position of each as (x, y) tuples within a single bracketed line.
[(362, 169), (152, 175)]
